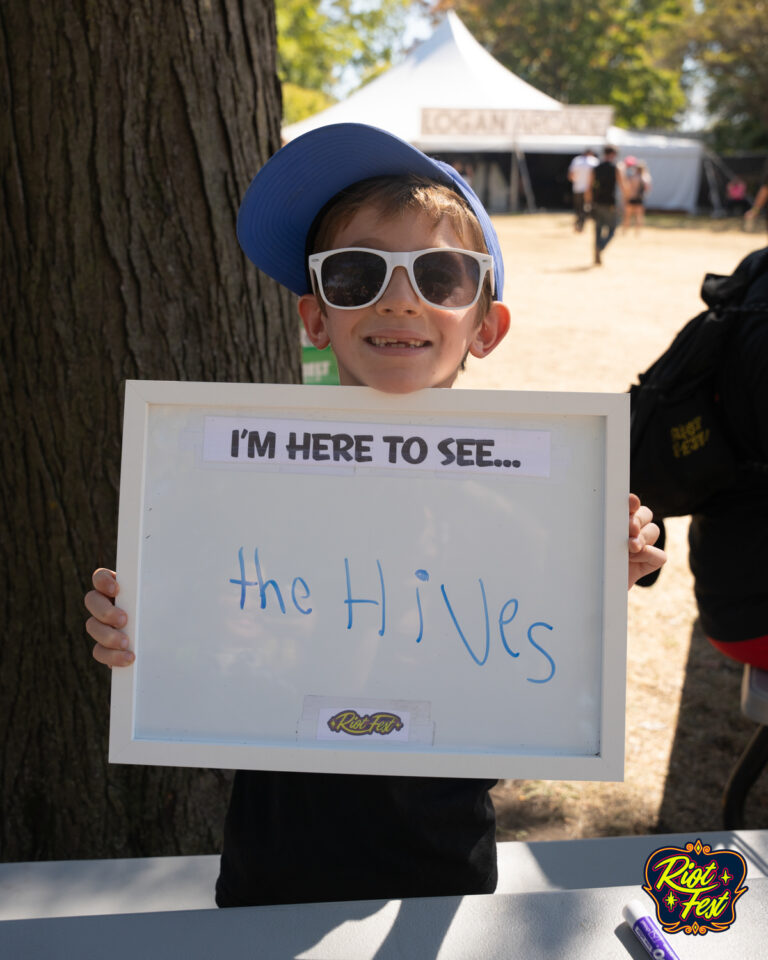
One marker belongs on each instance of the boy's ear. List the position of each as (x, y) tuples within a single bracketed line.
[(491, 331), (313, 319)]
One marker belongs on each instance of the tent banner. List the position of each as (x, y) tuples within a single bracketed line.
[(586, 121)]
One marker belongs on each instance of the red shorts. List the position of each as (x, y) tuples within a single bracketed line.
[(753, 651)]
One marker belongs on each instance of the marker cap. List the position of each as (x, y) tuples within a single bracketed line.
[(645, 928), (633, 911)]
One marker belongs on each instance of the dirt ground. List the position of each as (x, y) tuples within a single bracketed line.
[(580, 327)]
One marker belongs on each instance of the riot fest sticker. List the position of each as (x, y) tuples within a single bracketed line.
[(695, 888)]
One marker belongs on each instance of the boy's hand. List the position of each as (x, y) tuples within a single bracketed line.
[(644, 558), (106, 621)]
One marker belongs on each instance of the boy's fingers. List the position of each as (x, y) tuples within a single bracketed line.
[(105, 621), (640, 519), (640, 566), (647, 554), (643, 516), (105, 635), (112, 658), (651, 533), (103, 609), (644, 557), (645, 537), (105, 581), (650, 557), (111, 645)]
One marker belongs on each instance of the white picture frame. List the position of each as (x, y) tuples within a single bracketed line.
[(402, 581)]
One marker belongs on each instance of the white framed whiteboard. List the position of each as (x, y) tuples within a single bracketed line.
[(335, 579)]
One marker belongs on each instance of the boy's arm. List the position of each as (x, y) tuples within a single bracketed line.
[(644, 557), (106, 621)]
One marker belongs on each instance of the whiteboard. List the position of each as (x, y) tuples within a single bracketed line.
[(340, 580)]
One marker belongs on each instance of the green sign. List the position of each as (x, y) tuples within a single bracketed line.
[(318, 366)]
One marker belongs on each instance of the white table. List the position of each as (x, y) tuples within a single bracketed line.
[(559, 899)]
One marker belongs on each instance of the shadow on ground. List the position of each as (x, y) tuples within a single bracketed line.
[(710, 736)]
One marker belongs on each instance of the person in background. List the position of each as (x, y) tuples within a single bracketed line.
[(736, 202), (761, 200), (604, 180), (579, 173), (637, 184), (727, 534)]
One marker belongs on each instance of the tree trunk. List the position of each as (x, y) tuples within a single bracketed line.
[(130, 131)]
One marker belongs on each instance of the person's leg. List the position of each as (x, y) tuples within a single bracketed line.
[(578, 206), (609, 221), (637, 216), (596, 212), (605, 220)]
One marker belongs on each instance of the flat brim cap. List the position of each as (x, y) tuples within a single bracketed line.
[(292, 187)]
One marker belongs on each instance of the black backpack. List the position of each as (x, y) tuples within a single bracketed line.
[(680, 453)]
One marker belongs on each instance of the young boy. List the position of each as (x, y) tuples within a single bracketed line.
[(397, 266)]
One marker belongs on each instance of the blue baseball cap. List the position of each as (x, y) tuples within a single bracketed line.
[(294, 185)]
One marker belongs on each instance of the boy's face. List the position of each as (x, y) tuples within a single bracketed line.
[(400, 343)]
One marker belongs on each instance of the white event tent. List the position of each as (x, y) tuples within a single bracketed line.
[(452, 99)]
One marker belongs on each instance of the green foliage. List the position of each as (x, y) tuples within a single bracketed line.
[(299, 102), (323, 44), (731, 47), (626, 53)]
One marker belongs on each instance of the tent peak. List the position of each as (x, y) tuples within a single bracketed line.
[(470, 65), (450, 30)]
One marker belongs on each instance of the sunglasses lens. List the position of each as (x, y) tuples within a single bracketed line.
[(352, 278), (447, 278)]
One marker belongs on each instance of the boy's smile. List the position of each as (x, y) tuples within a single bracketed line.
[(400, 343)]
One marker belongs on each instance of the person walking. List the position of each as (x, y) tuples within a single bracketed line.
[(637, 184), (601, 194), (579, 172), (736, 203)]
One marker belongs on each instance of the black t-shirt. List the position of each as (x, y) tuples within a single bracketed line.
[(727, 537), (604, 183), (304, 838)]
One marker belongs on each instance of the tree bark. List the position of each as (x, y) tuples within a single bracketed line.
[(129, 134)]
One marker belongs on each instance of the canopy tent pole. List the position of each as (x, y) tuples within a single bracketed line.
[(514, 185), (719, 164), (530, 200), (714, 191)]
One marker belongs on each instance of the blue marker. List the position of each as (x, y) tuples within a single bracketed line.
[(647, 932)]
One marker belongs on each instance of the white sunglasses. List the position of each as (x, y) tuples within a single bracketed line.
[(447, 277)]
